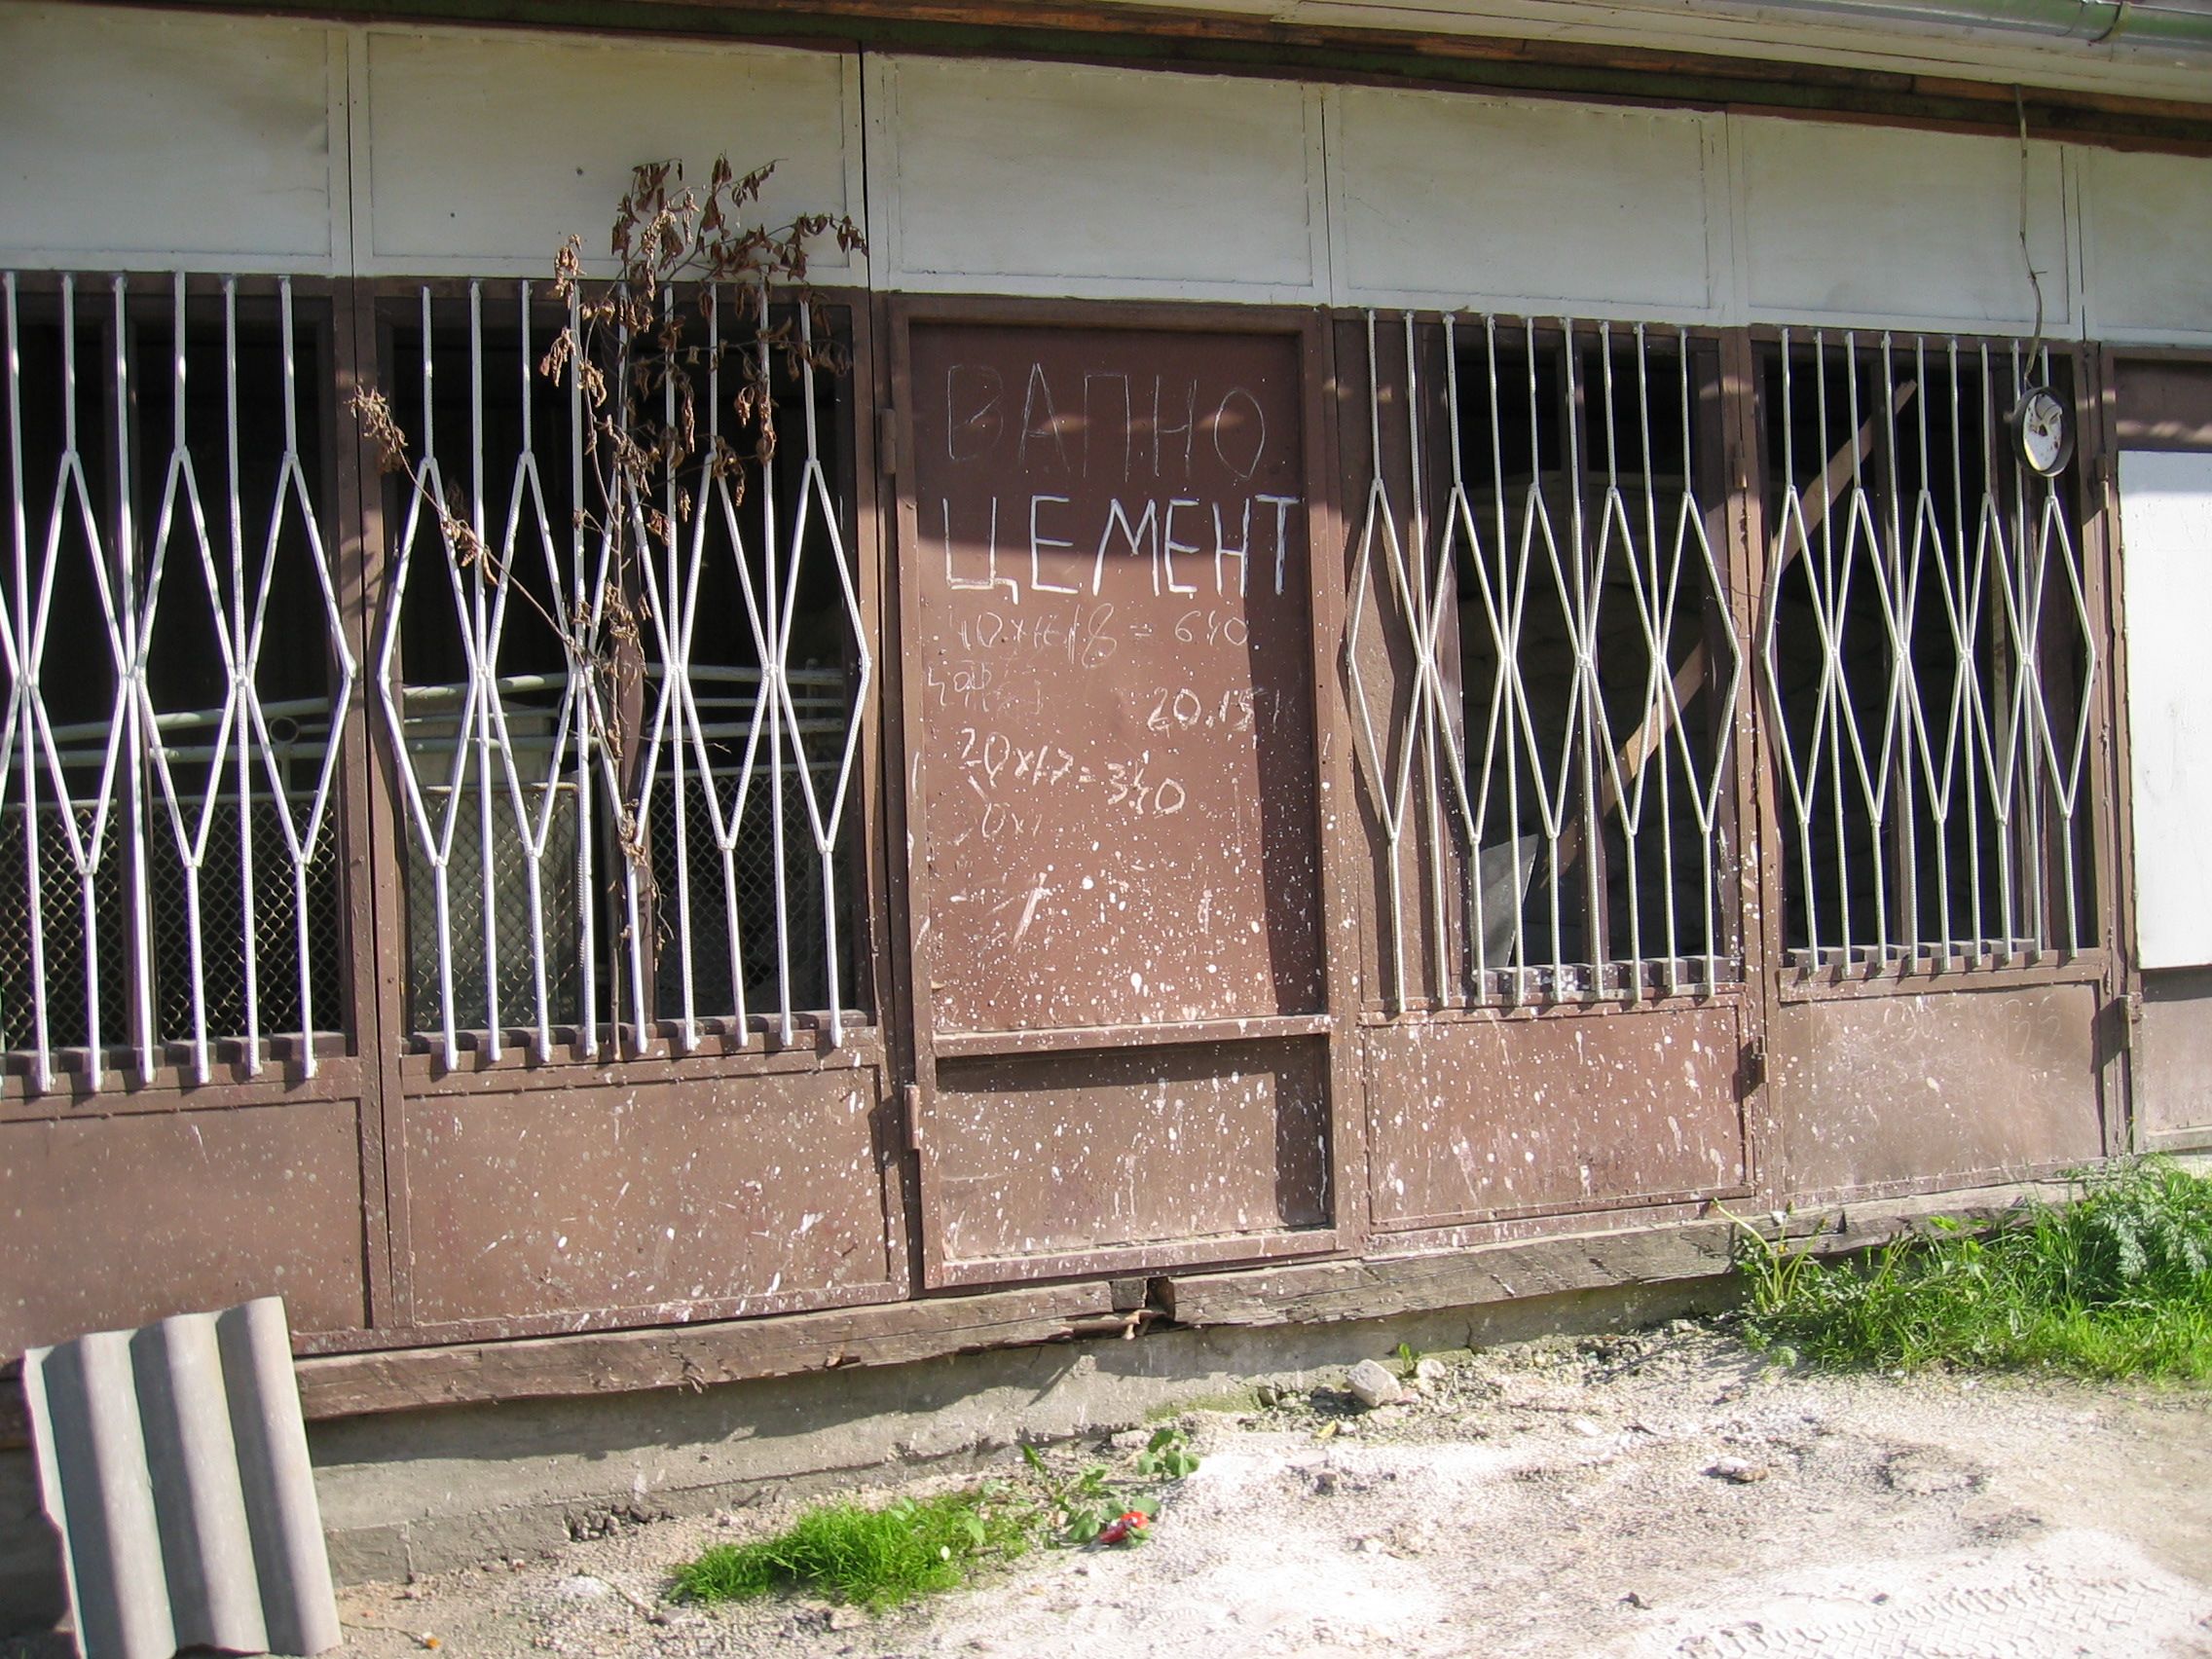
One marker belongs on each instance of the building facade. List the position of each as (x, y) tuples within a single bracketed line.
[(1356, 646)]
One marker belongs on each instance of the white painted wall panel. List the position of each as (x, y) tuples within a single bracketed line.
[(137, 138), (2165, 515), (1850, 223), (157, 139), (2147, 223), (1070, 179), (482, 152), (1449, 200)]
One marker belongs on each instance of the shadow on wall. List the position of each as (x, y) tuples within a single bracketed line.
[(32, 1595)]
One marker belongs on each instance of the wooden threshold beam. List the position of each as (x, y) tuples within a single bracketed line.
[(696, 1357), (701, 1356), (1377, 1288)]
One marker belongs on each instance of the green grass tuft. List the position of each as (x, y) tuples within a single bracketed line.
[(2115, 1282), (878, 1557)]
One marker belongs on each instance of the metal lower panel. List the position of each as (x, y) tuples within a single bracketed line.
[(114, 1221), (1883, 1090), (1476, 1117), (663, 1196), (1048, 1155)]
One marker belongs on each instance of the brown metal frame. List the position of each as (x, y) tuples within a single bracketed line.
[(1331, 742), (2123, 1129), (349, 1061), (372, 1066), (1781, 986), (416, 1081), (379, 1071), (1737, 915)]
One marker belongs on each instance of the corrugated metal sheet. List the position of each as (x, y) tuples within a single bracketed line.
[(174, 1463)]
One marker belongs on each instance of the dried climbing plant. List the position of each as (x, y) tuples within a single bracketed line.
[(640, 343)]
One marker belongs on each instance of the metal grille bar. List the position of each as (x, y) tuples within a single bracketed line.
[(608, 755), (98, 623), (1566, 760), (1928, 656)]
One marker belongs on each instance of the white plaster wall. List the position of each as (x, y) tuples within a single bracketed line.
[(2165, 516), (1844, 223), (148, 139), (135, 139), (2147, 226), (476, 155), (1447, 199), (1033, 178)]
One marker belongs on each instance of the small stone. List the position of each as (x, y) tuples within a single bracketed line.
[(845, 1618), (1373, 1385), (1736, 1471), (1430, 1371), (582, 1587), (1269, 1396), (1585, 1427), (1635, 1599)]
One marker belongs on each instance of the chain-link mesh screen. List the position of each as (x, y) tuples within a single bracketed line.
[(753, 867), (512, 942)]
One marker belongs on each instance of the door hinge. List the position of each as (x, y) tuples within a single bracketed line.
[(1751, 1064), (913, 1095)]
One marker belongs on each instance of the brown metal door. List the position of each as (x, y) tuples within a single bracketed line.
[(1121, 996), (1545, 667)]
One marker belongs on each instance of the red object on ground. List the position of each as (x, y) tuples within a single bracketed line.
[(1130, 1523)]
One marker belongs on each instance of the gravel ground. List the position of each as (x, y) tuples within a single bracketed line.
[(1658, 1494)]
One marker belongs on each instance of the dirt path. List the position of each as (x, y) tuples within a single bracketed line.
[(1555, 1500)]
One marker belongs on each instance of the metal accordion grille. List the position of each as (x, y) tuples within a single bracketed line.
[(1928, 655), (1549, 746), (624, 777), (177, 673)]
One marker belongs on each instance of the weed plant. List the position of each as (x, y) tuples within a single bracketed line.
[(878, 1557), (2116, 1281)]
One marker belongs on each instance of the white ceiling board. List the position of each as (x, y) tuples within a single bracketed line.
[(1069, 179), (1442, 199), (480, 153), (157, 139), (1802, 34), (1846, 223), (2147, 230), (2165, 514)]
